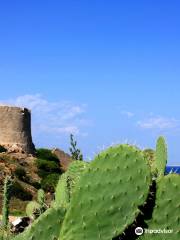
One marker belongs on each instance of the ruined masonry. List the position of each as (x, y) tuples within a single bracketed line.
[(15, 129)]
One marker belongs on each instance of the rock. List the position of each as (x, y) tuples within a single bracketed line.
[(64, 158)]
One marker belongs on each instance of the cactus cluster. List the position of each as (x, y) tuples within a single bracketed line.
[(35, 208), (108, 190), (106, 198)]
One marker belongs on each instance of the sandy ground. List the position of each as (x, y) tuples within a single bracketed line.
[(11, 218)]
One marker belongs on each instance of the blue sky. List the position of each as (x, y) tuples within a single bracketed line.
[(105, 70)]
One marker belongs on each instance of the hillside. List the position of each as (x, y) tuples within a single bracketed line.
[(29, 174)]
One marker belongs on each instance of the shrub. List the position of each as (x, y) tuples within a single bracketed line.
[(2, 149), (44, 153), (42, 173), (37, 185), (49, 183), (48, 169), (19, 192), (20, 173), (48, 166)]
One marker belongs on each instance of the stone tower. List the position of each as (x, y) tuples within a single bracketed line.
[(15, 129)]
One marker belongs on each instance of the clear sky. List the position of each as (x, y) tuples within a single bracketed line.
[(105, 70)]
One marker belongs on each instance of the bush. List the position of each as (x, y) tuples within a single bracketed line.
[(42, 173), (44, 153), (19, 192), (2, 149), (48, 166), (37, 185), (20, 173), (48, 169), (49, 183)]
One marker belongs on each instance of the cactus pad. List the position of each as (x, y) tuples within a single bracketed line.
[(46, 227), (62, 193), (74, 173), (32, 207), (67, 182), (166, 214), (106, 200), (161, 156)]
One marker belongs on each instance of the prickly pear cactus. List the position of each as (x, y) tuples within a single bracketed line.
[(6, 199), (166, 214), (41, 197), (36, 208), (150, 155), (68, 181), (62, 194), (31, 208), (106, 200), (74, 173), (161, 156), (46, 227)]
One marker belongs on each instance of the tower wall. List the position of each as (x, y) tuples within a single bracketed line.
[(15, 129)]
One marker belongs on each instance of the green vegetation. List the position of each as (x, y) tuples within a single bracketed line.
[(17, 207), (41, 198), (161, 156), (45, 227), (37, 185), (68, 181), (166, 214), (110, 177), (17, 213), (75, 152), (150, 155), (5, 226), (48, 169), (49, 182), (35, 208), (111, 196), (20, 173), (94, 191), (6, 199), (19, 192), (47, 154), (47, 166), (32, 209)]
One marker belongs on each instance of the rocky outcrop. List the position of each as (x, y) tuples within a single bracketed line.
[(64, 158), (15, 129)]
